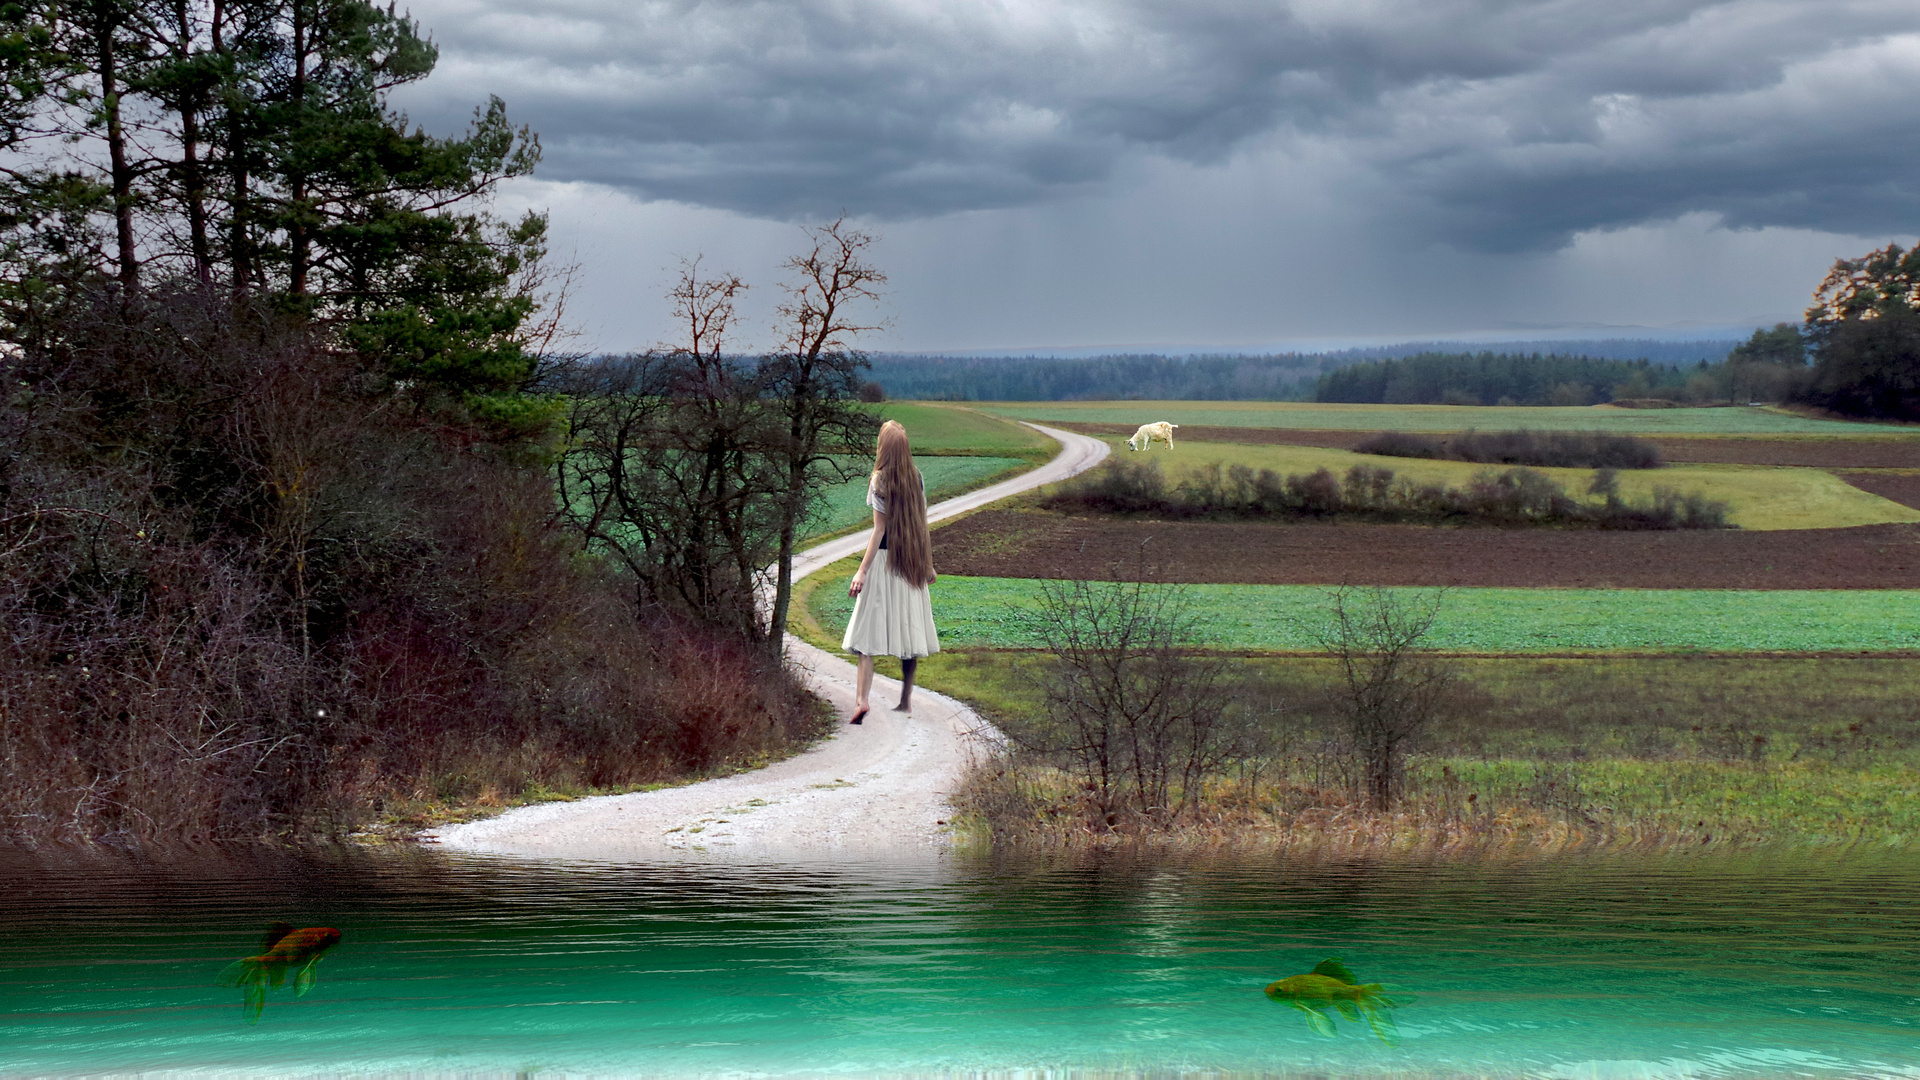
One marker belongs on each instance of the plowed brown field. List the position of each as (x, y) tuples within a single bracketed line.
[(1012, 543), (1903, 488), (1889, 452)]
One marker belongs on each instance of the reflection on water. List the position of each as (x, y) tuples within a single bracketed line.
[(1704, 968)]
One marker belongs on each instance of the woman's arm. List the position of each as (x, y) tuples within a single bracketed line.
[(873, 544)]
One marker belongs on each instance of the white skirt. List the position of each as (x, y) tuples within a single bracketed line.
[(891, 617)]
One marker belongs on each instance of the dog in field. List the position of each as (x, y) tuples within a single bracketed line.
[(1149, 432)]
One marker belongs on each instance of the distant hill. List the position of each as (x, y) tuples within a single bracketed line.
[(1099, 378), (1266, 377)]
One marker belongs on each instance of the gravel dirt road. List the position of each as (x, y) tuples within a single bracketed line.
[(877, 791)]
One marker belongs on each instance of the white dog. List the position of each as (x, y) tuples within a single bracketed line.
[(1149, 432)]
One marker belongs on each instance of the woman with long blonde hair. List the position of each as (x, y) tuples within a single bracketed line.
[(892, 612)]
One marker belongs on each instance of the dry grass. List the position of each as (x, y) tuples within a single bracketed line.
[(1022, 805), (1538, 756)]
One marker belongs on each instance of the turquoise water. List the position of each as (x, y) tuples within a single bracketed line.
[(1695, 968)]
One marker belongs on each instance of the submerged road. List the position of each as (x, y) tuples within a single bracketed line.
[(870, 792)]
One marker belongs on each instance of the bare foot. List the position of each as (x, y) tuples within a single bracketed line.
[(903, 707)]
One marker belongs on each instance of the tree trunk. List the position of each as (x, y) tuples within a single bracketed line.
[(783, 576), (800, 451), (192, 175), (1380, 777), (106, 30), (297, 237), (239, 236)]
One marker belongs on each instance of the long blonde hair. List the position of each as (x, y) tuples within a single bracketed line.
[(898, 483)]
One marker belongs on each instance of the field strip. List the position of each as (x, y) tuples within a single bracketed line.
[(875, 791), (995, 613), (1758, 497)]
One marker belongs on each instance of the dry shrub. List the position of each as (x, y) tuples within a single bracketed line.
[(1014, 806), (248, 589), (1509, 497), (1135, 714)]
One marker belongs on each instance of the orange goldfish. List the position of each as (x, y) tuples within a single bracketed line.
[(283, 948), (1331, 985)]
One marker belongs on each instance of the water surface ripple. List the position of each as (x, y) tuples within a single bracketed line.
[(1725, 967)]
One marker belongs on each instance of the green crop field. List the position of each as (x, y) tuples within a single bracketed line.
[(994, 612), (946, 429), (1309, 416), (1758, 497), (846, 504), (955, 449)]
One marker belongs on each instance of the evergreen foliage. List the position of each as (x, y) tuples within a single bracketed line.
[(248, 146), (1263, 377), (1284, 377), (1865, 329), (1489, 378)]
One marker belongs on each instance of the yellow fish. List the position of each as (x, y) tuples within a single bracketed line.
[(1331, 986), (283, 948)]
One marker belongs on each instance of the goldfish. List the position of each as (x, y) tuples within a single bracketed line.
[(283, 948), (1331, 985)]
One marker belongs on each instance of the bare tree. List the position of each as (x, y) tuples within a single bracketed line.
[(670, 462), (815, 378), (1136, 713), (1393, 688)]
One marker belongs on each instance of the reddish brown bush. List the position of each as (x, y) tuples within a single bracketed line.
[(248, 590)]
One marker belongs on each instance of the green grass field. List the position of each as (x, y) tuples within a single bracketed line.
[(1288, 618), (1308, 416), (955, 449), (1667, 751), (1758, 497), (948, 429), (846, 503)]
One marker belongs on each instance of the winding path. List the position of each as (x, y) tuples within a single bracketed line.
[(878, 791)]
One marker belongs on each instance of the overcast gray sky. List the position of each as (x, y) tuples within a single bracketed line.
[(1222, 173)]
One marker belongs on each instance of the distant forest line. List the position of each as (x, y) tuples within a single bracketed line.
[(1521, 374)]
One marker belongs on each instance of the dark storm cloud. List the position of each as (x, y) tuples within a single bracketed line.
[(1497, 124)]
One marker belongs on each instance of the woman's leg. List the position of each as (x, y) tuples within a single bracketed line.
[(908, 664), (862, 682)]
